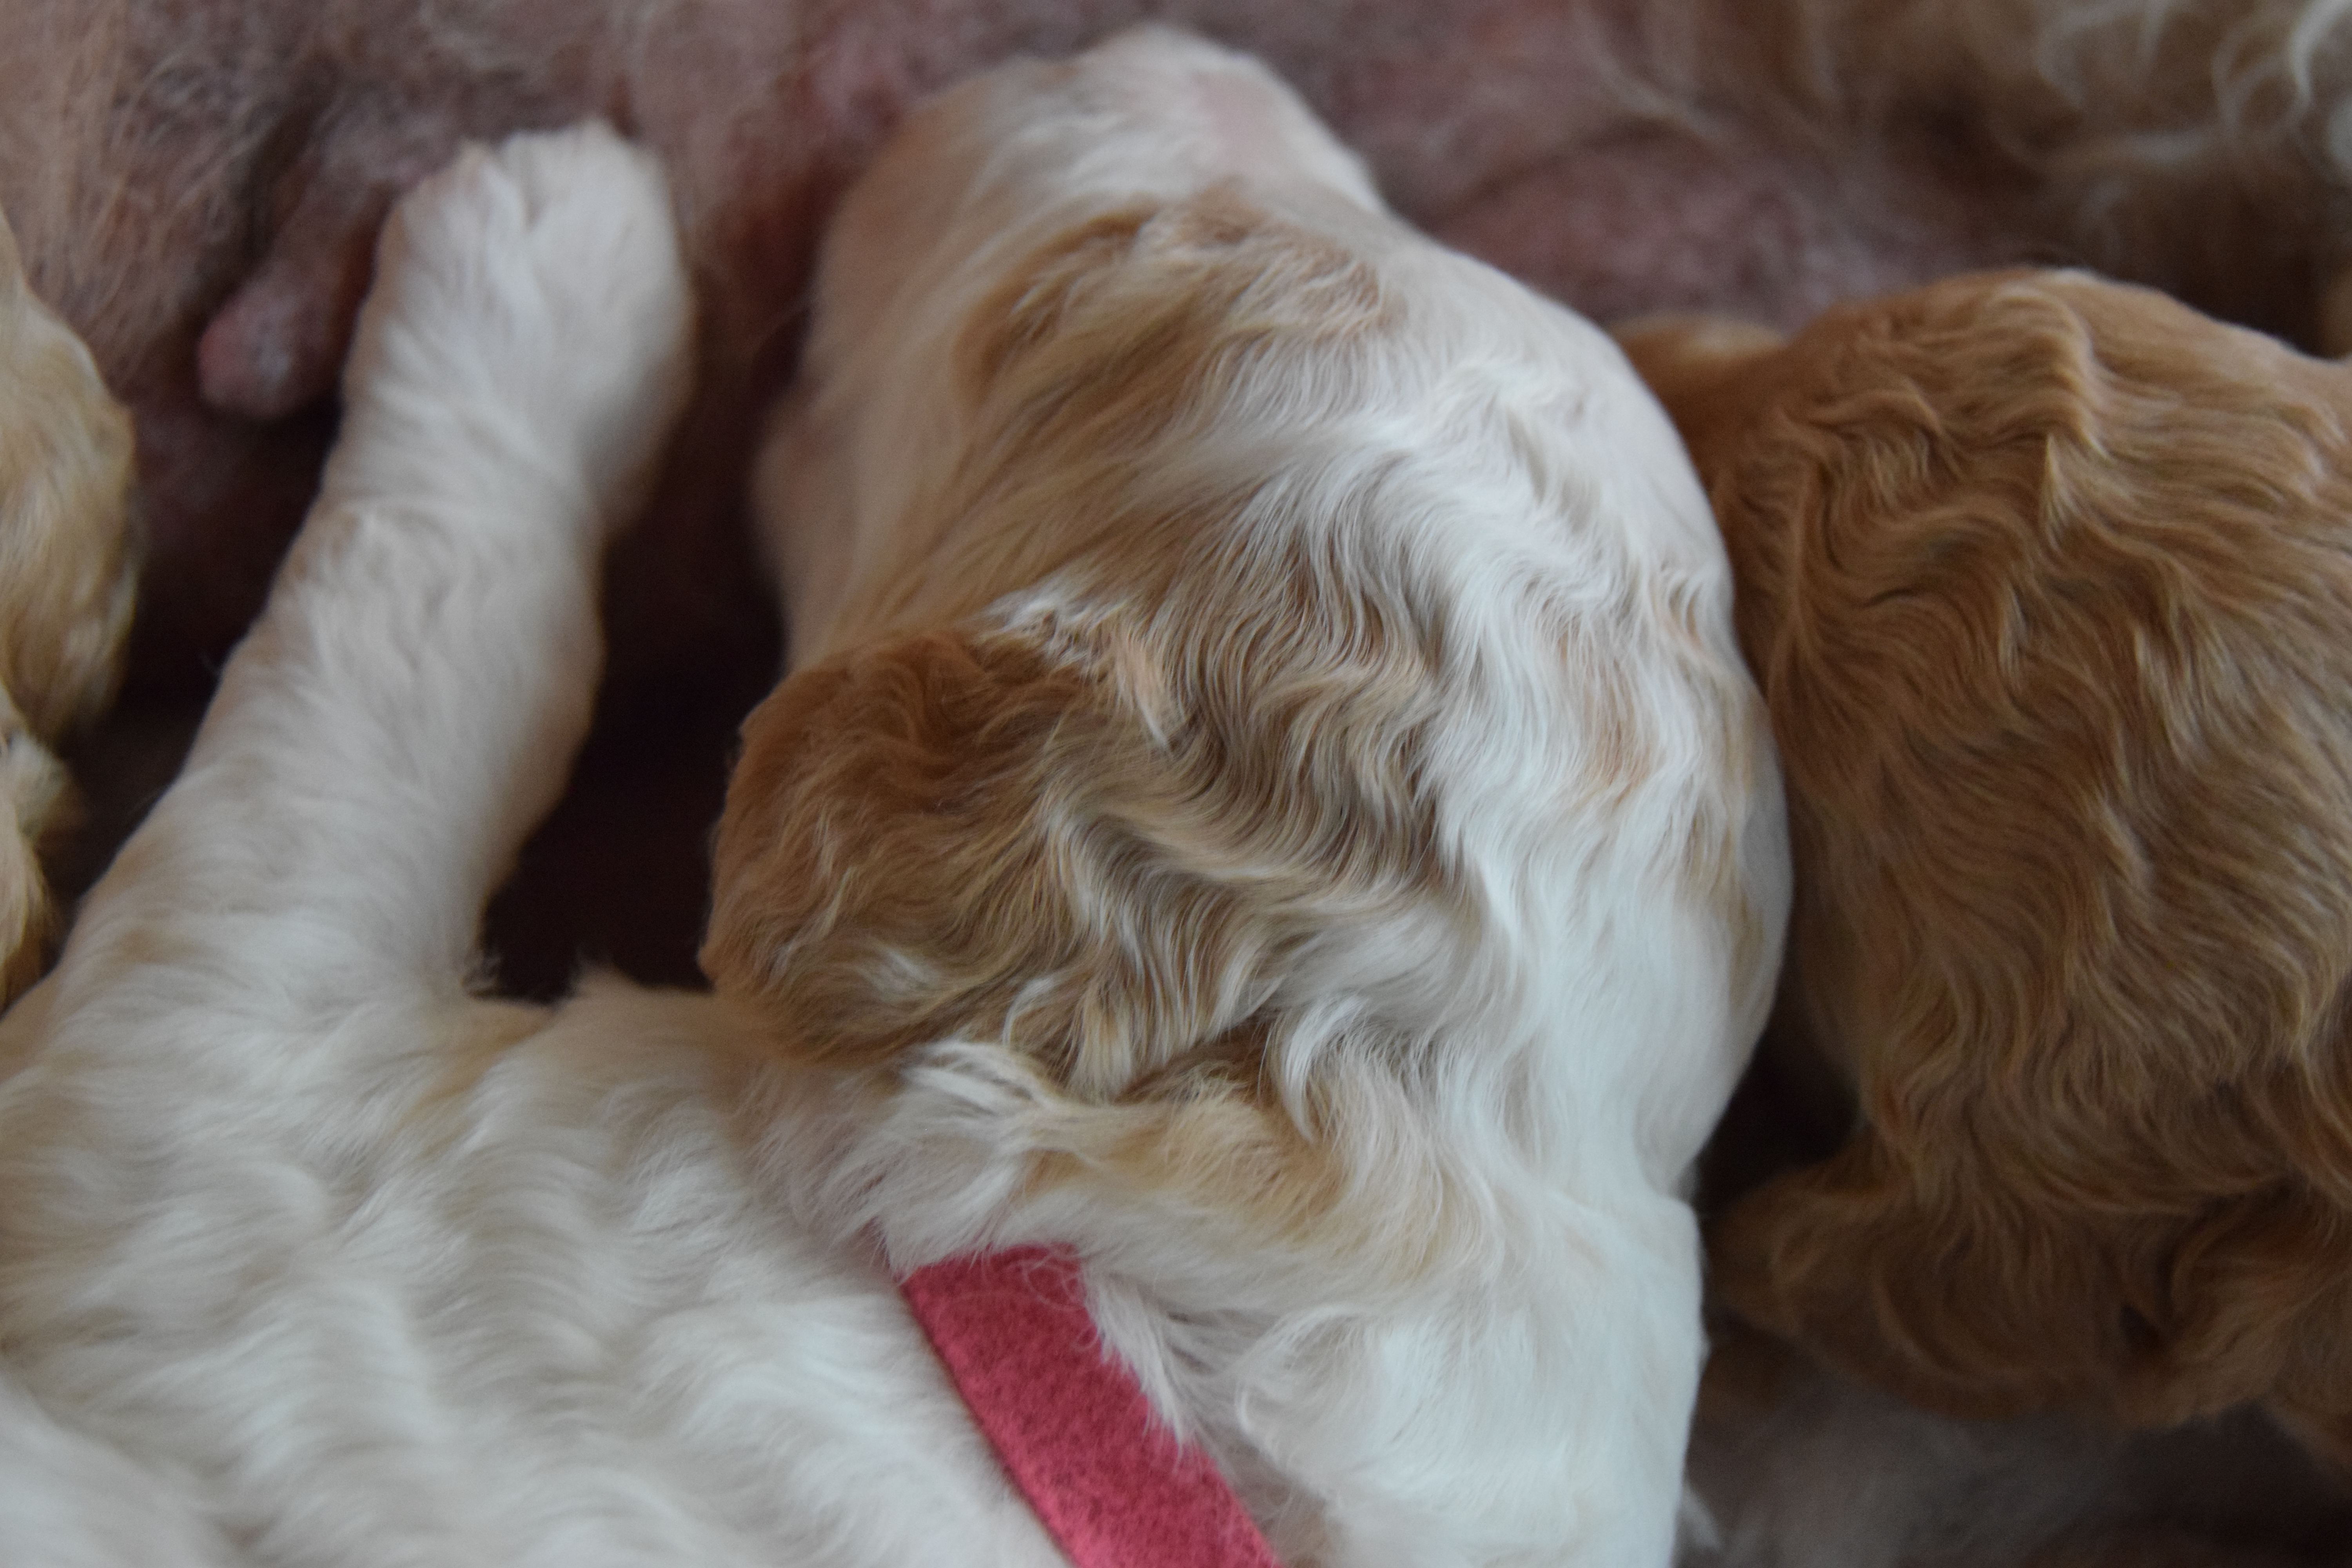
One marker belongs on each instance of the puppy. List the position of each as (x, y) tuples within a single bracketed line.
[(66, 581), (2048, 583), (1267, 804), (1260, 796)]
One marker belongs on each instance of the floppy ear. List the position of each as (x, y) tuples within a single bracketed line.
[(1021, 841), (948, 836), (877, 870)]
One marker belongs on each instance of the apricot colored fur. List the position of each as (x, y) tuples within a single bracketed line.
[(2048, 583)]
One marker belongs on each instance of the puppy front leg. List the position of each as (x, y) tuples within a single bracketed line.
[(408, 705)]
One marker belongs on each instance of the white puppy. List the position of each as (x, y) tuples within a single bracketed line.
[(1303, 842), (1267, 797)]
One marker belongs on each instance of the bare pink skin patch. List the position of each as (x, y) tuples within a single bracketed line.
[(242, 204)]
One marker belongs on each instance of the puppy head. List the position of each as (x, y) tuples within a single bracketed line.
[(989, 201), (2045, 580), (1152, 114), (1171, 431), (2012, 552), (1268, 799), (1177, 423)]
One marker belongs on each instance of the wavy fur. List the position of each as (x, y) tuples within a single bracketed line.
[(1291, 826), (198, 186), (1259, 727), (2046, 581)]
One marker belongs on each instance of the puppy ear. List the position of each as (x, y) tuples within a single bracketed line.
[(1024, 844), (946, 837), (879, 865)]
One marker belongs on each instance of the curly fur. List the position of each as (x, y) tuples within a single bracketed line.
[(198, 186), (65, 578), (2048, 583), (1247, 831)]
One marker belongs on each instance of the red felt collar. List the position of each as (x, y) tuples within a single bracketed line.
[(1069, 1422)]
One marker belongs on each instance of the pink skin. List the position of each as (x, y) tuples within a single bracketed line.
[(1488, 121), (197, 185)]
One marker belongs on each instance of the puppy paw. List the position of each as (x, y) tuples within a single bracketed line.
[(536, 290)]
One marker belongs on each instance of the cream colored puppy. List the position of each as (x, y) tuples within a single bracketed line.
[(66, 581), (1269, 803)]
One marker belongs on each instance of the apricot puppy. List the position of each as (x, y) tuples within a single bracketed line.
[(66, 582), (2048, 584)]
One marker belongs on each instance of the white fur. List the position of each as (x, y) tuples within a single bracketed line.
[(311, 1256), (1491, 456), (321, 1258)]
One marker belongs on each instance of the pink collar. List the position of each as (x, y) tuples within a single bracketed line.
[(1069, 1422)]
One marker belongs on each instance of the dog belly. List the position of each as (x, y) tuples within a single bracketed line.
[(1663, 221), (202, 203)]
